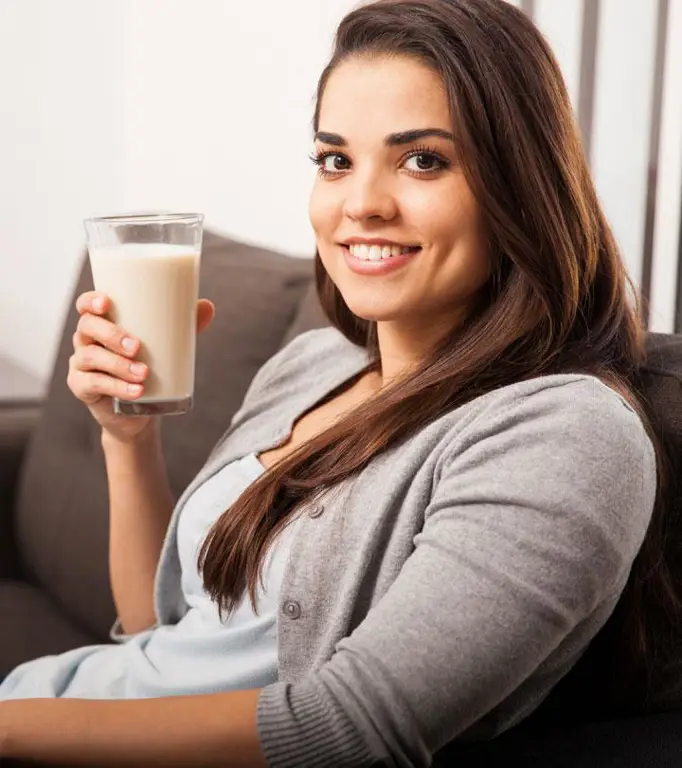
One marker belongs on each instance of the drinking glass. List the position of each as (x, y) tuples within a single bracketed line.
[(148, 266)]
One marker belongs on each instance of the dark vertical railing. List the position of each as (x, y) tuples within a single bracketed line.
[(588, 71), (586, 109), (654, 145), (678, 304)]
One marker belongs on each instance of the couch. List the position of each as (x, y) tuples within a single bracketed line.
[(54, 584)]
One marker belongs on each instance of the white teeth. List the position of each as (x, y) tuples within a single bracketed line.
[(377, 252)]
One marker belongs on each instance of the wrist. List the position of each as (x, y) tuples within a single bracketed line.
[(149, 436)]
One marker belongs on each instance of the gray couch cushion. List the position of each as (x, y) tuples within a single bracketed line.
[(309, 315), (32, 626), (61, 517)]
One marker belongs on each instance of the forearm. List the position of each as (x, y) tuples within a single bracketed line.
[(140, 504), (174, 732)]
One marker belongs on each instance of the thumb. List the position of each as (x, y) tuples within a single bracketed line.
[(205, 314)]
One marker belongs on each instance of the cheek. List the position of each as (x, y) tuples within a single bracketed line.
[(323, 211), (430, 213), (449, 221), (446, 217)]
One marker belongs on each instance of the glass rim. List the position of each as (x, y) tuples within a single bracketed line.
[(147, 218)]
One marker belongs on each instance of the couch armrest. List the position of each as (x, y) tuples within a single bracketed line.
[(17, 421)]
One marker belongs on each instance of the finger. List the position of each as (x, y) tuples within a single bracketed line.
[(92, 301), (89, 386), (107, 334), (95, 358), (80, 340), (205, 314)]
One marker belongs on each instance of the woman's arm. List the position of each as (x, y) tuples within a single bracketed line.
[(175, 732), (538, 509), (140, 507), (140, 502)]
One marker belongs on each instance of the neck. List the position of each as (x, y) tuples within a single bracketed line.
[(403, 346)]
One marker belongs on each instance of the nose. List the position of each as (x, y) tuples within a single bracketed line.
[(368, 196)]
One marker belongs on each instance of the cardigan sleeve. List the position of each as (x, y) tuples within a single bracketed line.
[(535, 518)]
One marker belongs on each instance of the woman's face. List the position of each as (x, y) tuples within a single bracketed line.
[(398, 229)]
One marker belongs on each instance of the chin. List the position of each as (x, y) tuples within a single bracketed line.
[(372, 299), (374, 308)]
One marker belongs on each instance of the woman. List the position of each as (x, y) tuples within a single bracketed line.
[(431, 513)]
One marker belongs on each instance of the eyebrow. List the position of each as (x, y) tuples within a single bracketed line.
[(392, 140)]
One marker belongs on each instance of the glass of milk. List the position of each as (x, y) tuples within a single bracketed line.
[(148, 265)]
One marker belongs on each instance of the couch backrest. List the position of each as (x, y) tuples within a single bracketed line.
[(62, 507)]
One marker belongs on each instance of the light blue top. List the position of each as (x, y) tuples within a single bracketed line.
[(199, 654)]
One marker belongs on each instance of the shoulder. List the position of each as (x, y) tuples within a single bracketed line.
[(557, 469), (564, 407), (317, 348), (317, 354), (567, 413), (564, 441), (578, 405)]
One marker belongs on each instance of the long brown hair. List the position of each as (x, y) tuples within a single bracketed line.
[(558, 299)]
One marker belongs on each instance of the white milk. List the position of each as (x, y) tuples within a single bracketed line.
[(154, 290)]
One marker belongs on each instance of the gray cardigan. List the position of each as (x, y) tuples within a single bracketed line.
[(443, 591)]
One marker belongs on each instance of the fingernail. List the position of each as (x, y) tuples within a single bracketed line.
[(137, 369), (128, 345), (98, 304), (134, 389)]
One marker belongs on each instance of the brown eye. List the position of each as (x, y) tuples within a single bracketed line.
[(330, 163), (334, 163), (425, 162)]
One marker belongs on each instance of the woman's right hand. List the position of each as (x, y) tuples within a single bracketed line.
[(103, 365)]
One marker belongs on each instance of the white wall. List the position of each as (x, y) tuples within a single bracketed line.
[(669, 189), (118, 105), (218, 111), (561, 23), (622, 119), (60, 150)]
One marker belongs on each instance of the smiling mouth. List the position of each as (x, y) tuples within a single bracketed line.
[(375, 253)]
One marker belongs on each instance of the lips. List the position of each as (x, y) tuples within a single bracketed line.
[(377, 260), (365, 252)]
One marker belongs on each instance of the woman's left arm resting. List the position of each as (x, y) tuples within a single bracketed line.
[(209, 730), (537, 511)]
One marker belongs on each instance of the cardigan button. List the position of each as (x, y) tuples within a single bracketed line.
[(291, 609), (315, 511)]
